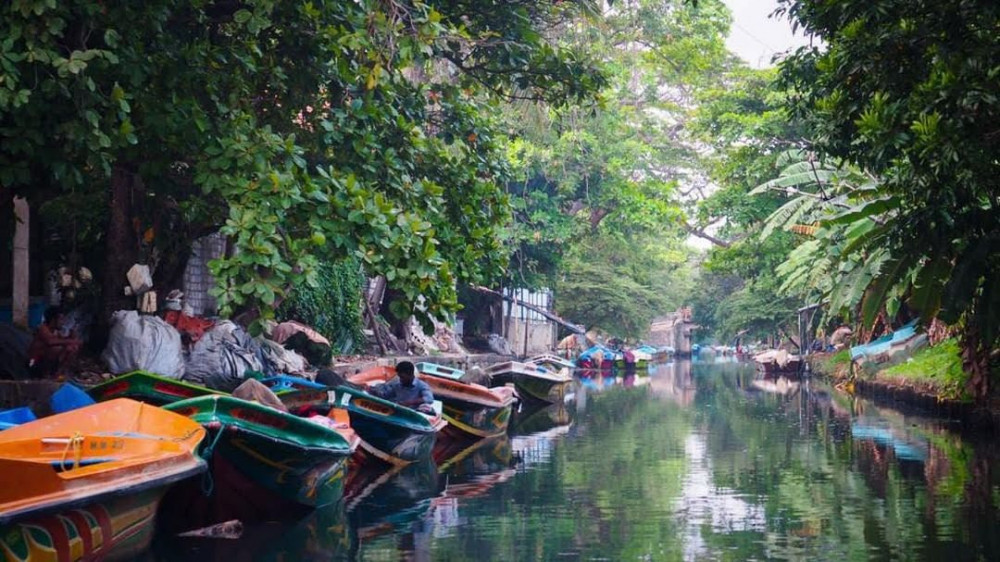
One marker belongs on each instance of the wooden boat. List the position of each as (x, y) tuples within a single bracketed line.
[(148, 387), (471, 409), (290, 460), (440, 371), (777, 362), (536, 383), (551, 362), (389, 432), (86, 484)]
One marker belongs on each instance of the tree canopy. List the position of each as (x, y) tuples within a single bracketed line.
[(303, 130), (905, 92)]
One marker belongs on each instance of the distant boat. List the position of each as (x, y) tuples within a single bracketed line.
[(390, 432), (281, 459), (471, 409), (149, 388), (536, 383), (86, 484), (777, 362), (551, 362)]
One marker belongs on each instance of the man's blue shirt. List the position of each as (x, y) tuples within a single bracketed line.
[(395, 391)]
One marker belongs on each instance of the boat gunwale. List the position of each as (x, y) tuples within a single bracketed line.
[(144, 482), (239, 425)]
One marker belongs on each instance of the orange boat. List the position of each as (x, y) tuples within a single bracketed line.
[(86, 484), (472, 409)]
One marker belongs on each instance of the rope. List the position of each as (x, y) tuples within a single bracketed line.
[(207, 483), (76, 443)]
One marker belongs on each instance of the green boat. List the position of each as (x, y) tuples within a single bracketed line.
[(472, 410), (389, 432), (289, 459), (532, 382), (149, 388)]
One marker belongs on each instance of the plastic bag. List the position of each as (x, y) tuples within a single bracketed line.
[(143, 343), (222, 357), (281, 360)]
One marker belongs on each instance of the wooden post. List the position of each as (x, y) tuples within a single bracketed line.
[(21, 261), (524, 321)]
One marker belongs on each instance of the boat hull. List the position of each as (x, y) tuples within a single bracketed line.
[(85, 484), (298, 461), (471, 410), (389, 432), (475, 420), (149, 388), (116, 529), (539, 389)]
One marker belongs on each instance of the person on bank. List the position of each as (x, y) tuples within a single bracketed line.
[(406, 389), (51, 353)]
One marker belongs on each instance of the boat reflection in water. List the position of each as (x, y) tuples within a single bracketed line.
[(400, 511), (535, 419), (380, 502)]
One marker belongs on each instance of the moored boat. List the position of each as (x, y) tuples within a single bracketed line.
[(471, 410), (389, 432), (536, 383), (280, 458), (148, 387), (777, 362), (86, 484)]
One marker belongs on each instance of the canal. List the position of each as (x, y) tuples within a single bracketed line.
[(699, 461)]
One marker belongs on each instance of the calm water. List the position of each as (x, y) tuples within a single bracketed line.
[(697, 462)]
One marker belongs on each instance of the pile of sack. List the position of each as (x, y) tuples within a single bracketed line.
[(216, 354)]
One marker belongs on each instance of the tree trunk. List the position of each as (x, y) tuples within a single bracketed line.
[(976, 363), (121, 248)]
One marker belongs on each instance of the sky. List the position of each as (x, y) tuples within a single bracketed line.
[(755, 36)]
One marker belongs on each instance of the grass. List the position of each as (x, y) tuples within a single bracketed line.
[(938, 367), (836, 365)]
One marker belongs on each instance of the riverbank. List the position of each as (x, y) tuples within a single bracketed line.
[(36, 393), (931, 382)]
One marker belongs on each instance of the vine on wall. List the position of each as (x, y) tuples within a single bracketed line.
[(333, 307)]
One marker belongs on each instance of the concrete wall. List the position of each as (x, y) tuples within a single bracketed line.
[(541, 336)]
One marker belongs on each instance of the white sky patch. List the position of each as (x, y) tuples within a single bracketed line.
[(756, 37)]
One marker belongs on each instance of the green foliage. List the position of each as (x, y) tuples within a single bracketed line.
[(939, 367), (305, 131), (742, 117), (905, 91), (332, 306), (618, 285)]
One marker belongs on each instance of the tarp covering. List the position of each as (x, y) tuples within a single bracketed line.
[(222, 357)]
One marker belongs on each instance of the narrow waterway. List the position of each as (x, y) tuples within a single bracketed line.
[(699, 461)]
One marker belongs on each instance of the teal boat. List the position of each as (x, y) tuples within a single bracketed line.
[(532, 382), (149, 388), (471, 410), (282, 457), (389, 432)]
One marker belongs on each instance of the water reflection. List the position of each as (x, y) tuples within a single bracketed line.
[(698, 461)]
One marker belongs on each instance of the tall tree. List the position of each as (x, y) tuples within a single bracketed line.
[(303, 130), (905, 90)]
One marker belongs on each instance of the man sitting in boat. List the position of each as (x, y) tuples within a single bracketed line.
[(406, 389)]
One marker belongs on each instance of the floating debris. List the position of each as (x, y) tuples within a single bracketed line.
[(226, 530)]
